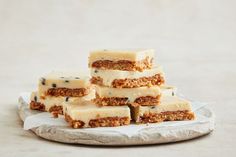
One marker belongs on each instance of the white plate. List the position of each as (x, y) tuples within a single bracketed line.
[(43, 125)]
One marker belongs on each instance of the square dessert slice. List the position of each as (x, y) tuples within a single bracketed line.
[(64, 84), (127, 60), (145, 96), (55, 104), (171, 109), (127, 79), (90, 115)]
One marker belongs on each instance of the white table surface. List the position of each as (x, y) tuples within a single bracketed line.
[(195, 42)]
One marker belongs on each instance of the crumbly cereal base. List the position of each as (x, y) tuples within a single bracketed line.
[(56, 110), (123, 65), (37, 106), (155, 80), (166, 116), (147, 101), (74, 123), (100, 122), (65, 92), (115, 101)]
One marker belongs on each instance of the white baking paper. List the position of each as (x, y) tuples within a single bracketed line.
[(44, 118)]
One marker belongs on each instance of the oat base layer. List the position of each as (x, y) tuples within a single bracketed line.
[(100, 122), (115, 101), (166, 116), (37, 106), (65, 92), (123, 65)]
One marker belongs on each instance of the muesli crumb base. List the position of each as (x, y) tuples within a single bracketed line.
[(66, 92), (116, 101), (100, 122), (124, 64), (166, 116)]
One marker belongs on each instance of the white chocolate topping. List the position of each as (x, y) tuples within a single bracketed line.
[(109, 76), (90, 111), (131, 93), (63, 80), (116, 55), (168, 90), (168, 103)]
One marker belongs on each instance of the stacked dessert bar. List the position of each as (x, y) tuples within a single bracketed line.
[(125, 78), (58, 87)]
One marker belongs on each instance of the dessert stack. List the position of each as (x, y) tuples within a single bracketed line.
[(58, 87), (125, 78), (124, 86), (129, 78)]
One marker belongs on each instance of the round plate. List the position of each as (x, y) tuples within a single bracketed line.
[(149, 134)]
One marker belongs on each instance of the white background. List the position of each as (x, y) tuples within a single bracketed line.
[(195, 42)]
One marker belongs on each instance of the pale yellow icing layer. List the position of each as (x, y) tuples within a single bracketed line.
[(116, 55), (167, 90)]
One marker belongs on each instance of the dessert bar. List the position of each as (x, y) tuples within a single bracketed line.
[(127, 60), (171, 108), (64, 84), (90, 115), (127, 79), (145, 96)]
